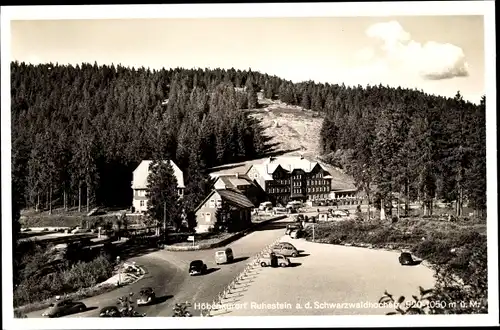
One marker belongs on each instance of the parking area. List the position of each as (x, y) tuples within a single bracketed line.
[(329, 280)]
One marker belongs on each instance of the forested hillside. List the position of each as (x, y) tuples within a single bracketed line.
[(79, 131), (418, 146)]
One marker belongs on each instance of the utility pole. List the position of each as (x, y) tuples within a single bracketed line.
[(314, 225)]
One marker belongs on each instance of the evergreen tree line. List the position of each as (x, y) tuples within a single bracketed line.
[(78, 132), (409, 144)]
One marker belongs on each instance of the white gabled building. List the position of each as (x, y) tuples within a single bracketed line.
[(140, 180)]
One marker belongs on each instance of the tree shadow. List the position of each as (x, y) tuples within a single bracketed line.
[(127, 251), (211, 270), (235, 260)]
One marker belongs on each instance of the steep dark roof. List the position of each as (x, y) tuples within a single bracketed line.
[(235, 198)]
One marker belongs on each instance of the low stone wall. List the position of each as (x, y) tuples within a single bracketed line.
[(242, 280), (225, 241)]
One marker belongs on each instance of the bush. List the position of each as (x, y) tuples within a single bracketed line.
[(80, 275)]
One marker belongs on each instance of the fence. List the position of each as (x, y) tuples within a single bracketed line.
[(237, 281)]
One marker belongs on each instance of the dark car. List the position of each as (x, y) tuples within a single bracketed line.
[(197, 267), (297, 233), (146, 296), (109, 311), (405, 258), (290, 228), (64, 307)]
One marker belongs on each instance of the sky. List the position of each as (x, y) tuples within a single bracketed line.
[(437, 54)]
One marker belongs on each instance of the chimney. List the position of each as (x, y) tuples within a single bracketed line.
[(237, 175)]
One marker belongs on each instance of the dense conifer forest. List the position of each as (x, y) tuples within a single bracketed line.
[(78, 132)]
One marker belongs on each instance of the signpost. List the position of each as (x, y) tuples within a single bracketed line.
[(191, 238)]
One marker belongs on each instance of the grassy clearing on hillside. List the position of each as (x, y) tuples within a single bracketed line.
[(288, 127)]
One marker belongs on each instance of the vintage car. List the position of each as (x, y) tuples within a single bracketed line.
[(224, 256), (405, 258), (297, 233), (109, 311), (292, 227), (286, 249), (197, 267), (146, 296), (64, 307), (274, 260)]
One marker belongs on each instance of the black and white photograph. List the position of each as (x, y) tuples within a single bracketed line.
[(249, 165)]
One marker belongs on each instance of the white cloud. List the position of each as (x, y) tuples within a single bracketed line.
[(432, 60)]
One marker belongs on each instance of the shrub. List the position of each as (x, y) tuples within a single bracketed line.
[(80, 275)]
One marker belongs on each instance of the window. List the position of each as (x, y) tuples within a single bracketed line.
[(141, 193), (141, 203), (212, 203), (207, 217)]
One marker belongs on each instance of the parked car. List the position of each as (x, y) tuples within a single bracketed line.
[(286, 249), (300, 218), (340, 213), (294, 205), (265, 206), (197, 267), (290, 228), (274, 260), (224, 256), (280, 210), (297, 233), (146, 296), (405, 258), (64, 307), (109, 311)]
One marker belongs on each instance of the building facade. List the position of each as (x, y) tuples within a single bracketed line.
[(291, 178), (239, 206), (139, 185)]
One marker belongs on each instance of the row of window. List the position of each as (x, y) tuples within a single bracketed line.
[(299, 183), (280, 190), (320, 196)]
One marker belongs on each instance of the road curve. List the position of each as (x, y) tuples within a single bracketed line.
[(167, 274)]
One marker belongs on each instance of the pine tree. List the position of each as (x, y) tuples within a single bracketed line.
[(162, 194), (223, 218)]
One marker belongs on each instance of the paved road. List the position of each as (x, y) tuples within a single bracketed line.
[(168, 275), (333, 279)]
